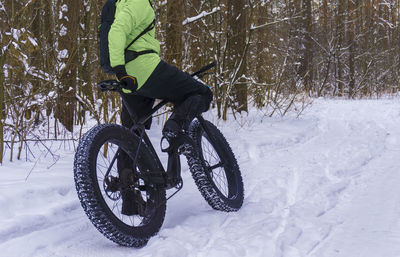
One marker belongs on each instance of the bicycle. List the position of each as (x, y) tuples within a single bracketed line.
[(100, 184)]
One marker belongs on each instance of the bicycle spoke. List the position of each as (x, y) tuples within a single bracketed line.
[(114, 205), (209, 152), (220, 182), (132, 221), (218, 165), (114, 199), (215, 167)]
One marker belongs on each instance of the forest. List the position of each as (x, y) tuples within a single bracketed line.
[(271, 55)]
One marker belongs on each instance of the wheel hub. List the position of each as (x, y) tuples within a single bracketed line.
[(111, 187)]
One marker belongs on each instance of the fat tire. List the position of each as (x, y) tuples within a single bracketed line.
[(204, 182), (91, 197)]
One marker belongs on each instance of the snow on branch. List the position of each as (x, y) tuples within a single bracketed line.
[(274, 22), (163, 3), (29, 2), (2, 8), (200, 16), (387, 23)]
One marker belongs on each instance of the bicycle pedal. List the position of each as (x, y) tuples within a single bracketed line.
[(174, 183), (165, 147), (178, 188)]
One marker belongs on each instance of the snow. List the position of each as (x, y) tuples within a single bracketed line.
[(64, 8), (39, 74), (29, 2), (63, 30), (321, 185), (33, 41), (200, 16)]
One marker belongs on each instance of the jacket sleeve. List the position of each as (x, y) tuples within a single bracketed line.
[(123, 25)]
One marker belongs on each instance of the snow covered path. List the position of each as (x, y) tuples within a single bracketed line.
[(322, 185)]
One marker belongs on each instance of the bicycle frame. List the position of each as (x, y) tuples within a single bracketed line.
[(139, 126)]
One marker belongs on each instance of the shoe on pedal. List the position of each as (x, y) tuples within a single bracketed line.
[(171, 128), (178, 141), (175, 132)]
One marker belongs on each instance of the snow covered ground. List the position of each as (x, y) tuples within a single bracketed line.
[(325, 184)]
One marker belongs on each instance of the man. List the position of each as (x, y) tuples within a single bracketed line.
[(147, 75), (149, 78)]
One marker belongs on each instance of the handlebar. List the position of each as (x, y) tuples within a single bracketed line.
[(114, 85)]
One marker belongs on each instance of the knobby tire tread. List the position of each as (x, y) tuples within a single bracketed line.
[(205, 186), (91, 199)]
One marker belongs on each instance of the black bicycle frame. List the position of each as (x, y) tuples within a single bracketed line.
[(139, 127)]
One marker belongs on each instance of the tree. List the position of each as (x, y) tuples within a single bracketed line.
[(67, 56), (263, 69), (235, 58), (306, 46), (173, 41), (351, 8)]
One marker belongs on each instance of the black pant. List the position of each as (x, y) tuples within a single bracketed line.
[(189, 96)]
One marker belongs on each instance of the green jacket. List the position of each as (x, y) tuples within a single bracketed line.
[(131, 18)]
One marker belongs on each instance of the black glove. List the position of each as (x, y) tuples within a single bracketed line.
[(129, 83)]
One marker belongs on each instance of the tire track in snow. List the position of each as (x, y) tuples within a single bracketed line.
[(333, 182), (23, 225), (282, 240), (370, 225)]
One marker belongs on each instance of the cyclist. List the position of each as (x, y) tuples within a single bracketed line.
[(147, 77)]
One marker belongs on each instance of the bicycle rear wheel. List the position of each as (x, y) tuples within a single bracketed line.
[(100, 184), (215, 169)]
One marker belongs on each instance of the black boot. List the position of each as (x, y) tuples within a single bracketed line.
[(172, 128)]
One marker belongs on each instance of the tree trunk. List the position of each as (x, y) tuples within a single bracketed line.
[(195, 44), (235, 56), (350, 42), (339, 46), (67, 46), (173, 41), (262, 67), (2, 116), (305, 69)]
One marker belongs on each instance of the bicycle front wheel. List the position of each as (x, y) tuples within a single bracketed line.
[(214, 168), (103, 186)]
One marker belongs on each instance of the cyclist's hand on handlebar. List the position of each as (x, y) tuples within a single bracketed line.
[(128, 82)]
